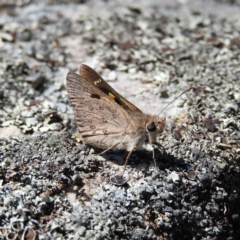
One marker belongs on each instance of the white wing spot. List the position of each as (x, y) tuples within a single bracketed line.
[(97, 81)]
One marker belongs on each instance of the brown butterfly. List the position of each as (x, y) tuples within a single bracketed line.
[(107, 120)]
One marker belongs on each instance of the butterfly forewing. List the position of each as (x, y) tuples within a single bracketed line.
[(96, 80)]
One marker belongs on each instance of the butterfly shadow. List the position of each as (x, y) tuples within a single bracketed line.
[(142, 160)]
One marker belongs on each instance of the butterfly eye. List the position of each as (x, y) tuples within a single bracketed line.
[(151, 127)]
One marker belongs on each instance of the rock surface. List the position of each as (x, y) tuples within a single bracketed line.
[(52, 186)]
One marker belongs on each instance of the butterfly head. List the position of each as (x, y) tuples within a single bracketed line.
[(154, 127)]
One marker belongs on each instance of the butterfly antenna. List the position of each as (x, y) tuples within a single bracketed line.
[(190, 88)]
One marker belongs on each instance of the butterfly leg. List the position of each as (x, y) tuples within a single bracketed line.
[(126, 161), (113, 146), (154, 159), (160, 146), (125, 155), (153, 152)]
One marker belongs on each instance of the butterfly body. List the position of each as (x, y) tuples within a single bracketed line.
[(107, 120)]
